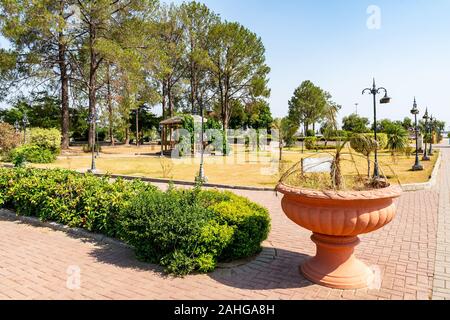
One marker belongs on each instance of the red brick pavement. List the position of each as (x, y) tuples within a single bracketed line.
[(39, 263)]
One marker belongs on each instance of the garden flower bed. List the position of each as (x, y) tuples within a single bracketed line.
[(184, 230)]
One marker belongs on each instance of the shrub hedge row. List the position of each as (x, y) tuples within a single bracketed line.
[(185, 230)]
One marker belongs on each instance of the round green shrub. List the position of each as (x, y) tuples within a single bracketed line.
[(250, 221), (32, 154), (49, 139), (310, 143)]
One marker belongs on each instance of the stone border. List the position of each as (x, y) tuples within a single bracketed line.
[(426, 185), (268, 253), (187, 183)]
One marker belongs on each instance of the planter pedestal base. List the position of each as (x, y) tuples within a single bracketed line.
[(335, 264)]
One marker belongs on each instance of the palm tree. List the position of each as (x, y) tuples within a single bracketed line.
[(397, 138), (364, 144)]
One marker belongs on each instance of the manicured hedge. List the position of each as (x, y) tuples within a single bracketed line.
[(185, 230)]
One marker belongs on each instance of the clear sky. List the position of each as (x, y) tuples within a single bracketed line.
[(329, 42)]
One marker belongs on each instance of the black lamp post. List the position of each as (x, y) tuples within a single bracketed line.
[(374, 91), (92, 120), (25, 122), (425, 151), (97, 122), (17, 126), (137, 126), (432, 122), (417, 166), (201, 178)]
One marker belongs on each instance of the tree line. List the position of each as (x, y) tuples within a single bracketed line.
[(113, 57)]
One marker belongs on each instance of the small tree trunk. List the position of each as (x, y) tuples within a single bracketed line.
[(110, 109), (336, 176), (127, 136), (64, 78)]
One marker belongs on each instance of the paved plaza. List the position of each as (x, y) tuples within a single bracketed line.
[(411, 256)]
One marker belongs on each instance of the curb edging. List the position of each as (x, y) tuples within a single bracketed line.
[(426, 185)]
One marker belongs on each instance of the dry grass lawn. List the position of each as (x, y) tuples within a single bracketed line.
[(242, 168)]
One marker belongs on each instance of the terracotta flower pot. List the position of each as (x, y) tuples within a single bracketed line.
[(336, 219)]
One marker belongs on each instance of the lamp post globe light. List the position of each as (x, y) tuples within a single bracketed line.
[(92, 118), (25, 122), (386, 99), (426, 117), (417, 166)]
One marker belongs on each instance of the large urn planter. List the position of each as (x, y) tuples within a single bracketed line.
[(336, 218)]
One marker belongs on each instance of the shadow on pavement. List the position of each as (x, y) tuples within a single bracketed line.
[(282, 272)]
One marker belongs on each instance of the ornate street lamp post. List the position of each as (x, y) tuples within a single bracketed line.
[(201, 178), (374, 91), (417, 166), (137, 126), (92, 120), (25, 122), (97, 124), (425, 151), (17, 126), (432, 122)]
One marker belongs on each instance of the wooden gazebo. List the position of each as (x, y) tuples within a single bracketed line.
[(169, 127)]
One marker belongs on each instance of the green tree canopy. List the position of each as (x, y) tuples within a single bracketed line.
[(356, 124)]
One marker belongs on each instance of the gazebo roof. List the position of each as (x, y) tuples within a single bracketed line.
[(179, 120)]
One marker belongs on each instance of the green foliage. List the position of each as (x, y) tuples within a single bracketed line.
[(355, 124), (87, 148), (397, 138), (48, 139), (307, 104), (286, 130), (42, 110), (382, 139), (260, 116), (32, 154), (310, 143), (238, 66), (251, 222), (183, 230), (363, 143)]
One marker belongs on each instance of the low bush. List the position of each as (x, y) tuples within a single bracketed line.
[(183, 230), (68, 197), (49, 139), (32, 154), (310, 143), (87, 148)]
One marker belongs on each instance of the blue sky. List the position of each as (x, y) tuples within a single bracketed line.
[(329, 43)]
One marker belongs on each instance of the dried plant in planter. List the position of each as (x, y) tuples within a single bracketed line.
[(336, 208), (333, 177)]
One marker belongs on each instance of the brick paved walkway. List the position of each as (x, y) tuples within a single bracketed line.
[(39, 263), (441, 284)]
